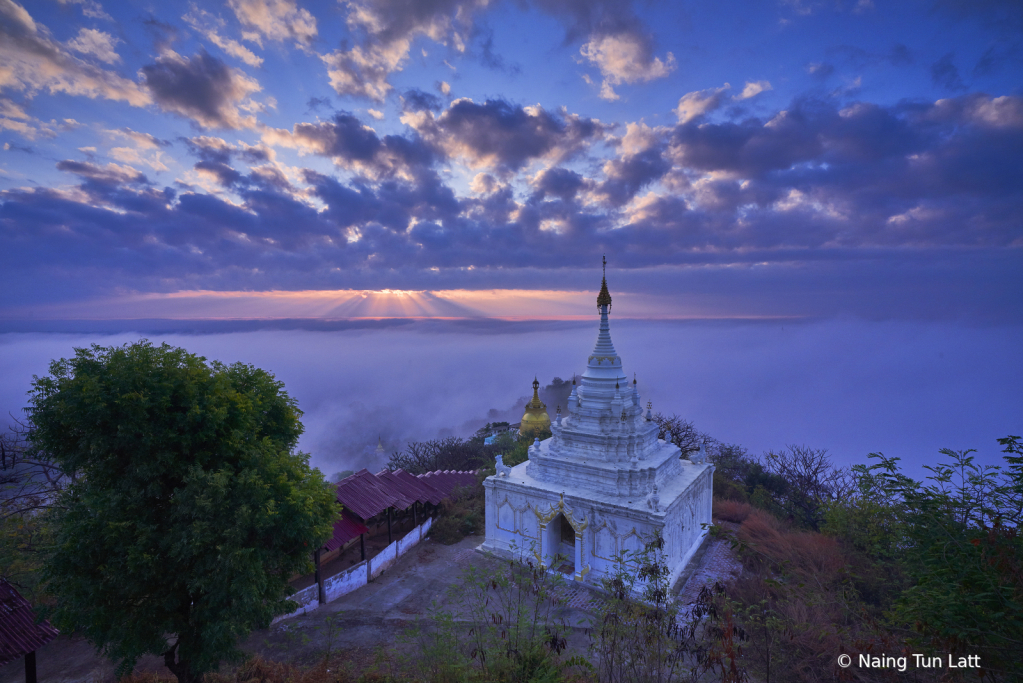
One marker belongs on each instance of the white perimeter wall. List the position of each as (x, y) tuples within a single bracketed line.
[(357, 576)]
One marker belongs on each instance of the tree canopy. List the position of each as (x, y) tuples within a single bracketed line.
[(189, 508)]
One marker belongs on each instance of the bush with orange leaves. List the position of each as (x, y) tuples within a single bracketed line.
[(904, 567), (792, 599)]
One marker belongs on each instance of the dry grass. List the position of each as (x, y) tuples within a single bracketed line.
[(791, 597), (731, 510), (808, 553)]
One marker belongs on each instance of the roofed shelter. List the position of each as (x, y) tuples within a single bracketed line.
[(364, 496), (20, 634)]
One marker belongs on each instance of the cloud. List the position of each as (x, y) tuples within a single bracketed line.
[(820, 70), (557, 182), (945, 74), (363, 70), (277, 20), (351, 144), (90, 8), (146, 149), (96, 43), (642, 162), (817, 182), (13, 117), (695, 104), (389, 27), (202, 89), (140, 140), (30, 60), (625, 58), (753, 88), (417, 100), (208, 25), (504, 137), (110, 174)]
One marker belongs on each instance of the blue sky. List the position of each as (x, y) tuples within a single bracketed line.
[(458, 157)]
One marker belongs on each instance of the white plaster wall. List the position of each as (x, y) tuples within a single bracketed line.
[(346, 582), (357, 576), (411, 539), (384, 559), (307, 599), (512, 527)]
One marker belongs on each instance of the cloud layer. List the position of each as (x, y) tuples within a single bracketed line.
[(149, 155)]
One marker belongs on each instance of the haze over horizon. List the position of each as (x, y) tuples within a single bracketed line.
[(906, 389)]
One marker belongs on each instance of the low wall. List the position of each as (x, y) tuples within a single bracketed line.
[(358, 575), (307, 599), (346, 582), (384, 559)]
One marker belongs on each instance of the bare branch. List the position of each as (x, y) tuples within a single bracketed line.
[(30, 481)]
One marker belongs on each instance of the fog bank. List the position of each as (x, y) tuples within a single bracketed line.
[(904, 388)]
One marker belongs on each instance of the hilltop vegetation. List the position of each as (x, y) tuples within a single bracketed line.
[(858, 560)]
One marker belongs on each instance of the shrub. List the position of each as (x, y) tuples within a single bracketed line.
[(731, 510), (462, 514), (642, 633), (508, 630)]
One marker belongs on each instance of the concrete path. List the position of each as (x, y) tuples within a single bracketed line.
[(370, 618)]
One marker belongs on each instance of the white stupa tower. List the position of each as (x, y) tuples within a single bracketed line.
[(602, 483)]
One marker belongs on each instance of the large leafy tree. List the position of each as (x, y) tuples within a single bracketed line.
[(189, 507)]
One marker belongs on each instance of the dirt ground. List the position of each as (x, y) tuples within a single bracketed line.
[(362, 622)]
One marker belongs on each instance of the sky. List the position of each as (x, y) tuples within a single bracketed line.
[(453, 158), (812, 212)]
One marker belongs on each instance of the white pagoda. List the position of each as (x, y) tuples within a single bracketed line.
[(603, 483)]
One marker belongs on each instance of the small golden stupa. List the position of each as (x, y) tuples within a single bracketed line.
[(535, 419)]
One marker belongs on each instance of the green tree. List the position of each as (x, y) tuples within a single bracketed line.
[(189, 509)]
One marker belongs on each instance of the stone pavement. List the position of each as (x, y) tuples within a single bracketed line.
[(715, 561)]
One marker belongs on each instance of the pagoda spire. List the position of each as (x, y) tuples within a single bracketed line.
[(604, 351), (604, 298)]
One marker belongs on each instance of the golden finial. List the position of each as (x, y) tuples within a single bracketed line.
[(633, 379), (604, 298)]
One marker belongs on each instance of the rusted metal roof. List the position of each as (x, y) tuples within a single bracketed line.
[(346, 528), (410, 487), (367, 495), (405, 497), (427, 493), (19, 632), (448, 480), (362, 494)]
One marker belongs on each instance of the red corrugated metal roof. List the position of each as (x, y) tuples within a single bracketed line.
[(398, 489), (346, 528), (19, 632), (427, 493), (448, 480), (362, 494), (367, 495), (410, 487)]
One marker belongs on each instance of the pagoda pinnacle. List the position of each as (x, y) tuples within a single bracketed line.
[(604, 298)]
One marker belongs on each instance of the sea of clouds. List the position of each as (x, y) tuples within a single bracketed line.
[(854, 387)]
